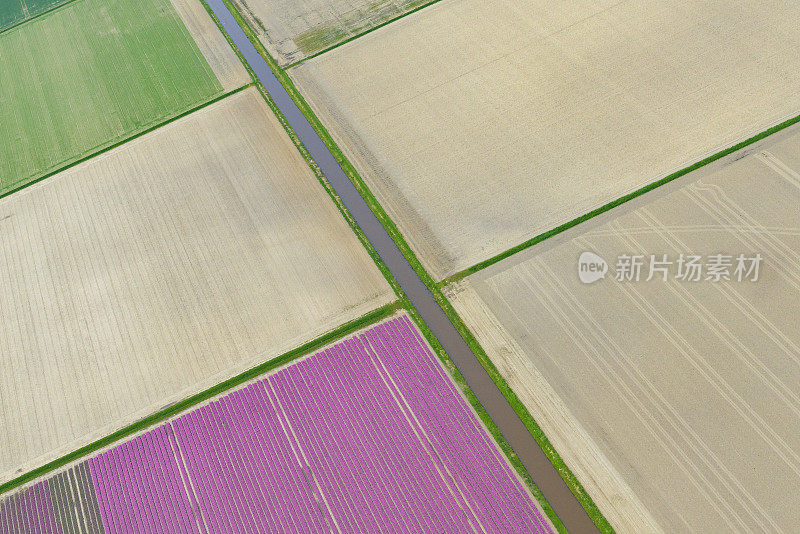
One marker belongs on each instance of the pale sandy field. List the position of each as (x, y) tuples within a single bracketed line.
[(215, 48), (293, 30), (161, 268), (676, 404), (479, 125)]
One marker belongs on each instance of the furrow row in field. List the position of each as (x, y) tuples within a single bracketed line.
[(339, 441), (375, 430), (242, 464), (29, 511), (140, 487)]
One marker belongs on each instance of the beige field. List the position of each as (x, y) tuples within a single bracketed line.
[(212, 44), (161, 268), (293, 30), (481, 124), (675, 403)]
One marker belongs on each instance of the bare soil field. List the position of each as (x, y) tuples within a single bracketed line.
[(674, 402), (293, 30), (163, 267), (479, 125)]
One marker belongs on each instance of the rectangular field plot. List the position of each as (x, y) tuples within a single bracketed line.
[(479, 125), (675, 401), (368, 435), (97, 71), (293, 30), (161, 268)]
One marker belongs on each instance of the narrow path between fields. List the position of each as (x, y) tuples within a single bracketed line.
[(538, 465)]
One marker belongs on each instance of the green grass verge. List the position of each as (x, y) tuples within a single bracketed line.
[(326, 339), (390, 227), (614, 203), (121, 67)]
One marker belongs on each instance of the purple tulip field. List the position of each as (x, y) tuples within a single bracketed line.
[(368, 435)]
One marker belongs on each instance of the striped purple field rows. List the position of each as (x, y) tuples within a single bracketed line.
[(29, 511), (369, 435)]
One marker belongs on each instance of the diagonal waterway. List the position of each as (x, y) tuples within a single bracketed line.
[(541, 470)]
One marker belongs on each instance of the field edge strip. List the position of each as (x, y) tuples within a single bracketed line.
[(399, 240), (359, 35), (97, 151), (617, 202), (336, 334)]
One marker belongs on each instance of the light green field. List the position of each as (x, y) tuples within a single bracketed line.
[(89, 75)]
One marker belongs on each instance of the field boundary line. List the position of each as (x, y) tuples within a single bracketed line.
[(399, 240), (38, 15), (337, 333), (358, 35), (102, 150), (617, 202)]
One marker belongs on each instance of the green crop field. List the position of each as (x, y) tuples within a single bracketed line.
[(11, 12), (89, 75), (15, 11)]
